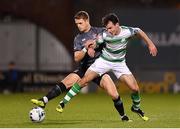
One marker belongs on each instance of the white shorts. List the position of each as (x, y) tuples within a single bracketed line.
[(101, 66)]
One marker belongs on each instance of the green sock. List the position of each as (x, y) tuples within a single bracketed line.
[(136, 100), (75, 89)]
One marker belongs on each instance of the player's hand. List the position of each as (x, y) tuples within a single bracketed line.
[(91, 52), (152, 49), (90, 43)]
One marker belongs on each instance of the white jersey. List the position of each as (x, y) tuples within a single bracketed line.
[(115, 49)]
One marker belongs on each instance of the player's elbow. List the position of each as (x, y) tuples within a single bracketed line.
[(78, 56), (140, 32)]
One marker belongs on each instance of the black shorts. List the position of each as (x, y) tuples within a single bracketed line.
[(81, 72)]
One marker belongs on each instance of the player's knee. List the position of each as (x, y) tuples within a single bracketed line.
[(105, 77), (66, 84), (83, 82)]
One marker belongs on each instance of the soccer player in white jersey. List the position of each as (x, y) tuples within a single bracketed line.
[(113, 59)]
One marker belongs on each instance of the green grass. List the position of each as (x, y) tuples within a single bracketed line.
[(91, 110)]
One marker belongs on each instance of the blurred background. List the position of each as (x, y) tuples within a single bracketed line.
[(36, 42)]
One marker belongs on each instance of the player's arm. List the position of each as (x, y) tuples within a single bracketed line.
[(94, 43), (99, 39), (79, 55), (79, 49), (152, 48)]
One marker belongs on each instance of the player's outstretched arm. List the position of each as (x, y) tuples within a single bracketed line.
[(152, 48)]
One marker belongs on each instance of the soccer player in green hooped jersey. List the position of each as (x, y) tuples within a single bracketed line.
[(85, 57), (112, 59)]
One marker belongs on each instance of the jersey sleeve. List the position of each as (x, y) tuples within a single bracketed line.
[(100, 30), (99, 39), (134, 30), (77, 44)]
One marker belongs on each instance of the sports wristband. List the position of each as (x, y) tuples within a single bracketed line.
[(84, 50)]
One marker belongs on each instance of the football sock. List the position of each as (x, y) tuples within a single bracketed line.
[(54, 92), (119, 106), (71, 93), (136, 100)]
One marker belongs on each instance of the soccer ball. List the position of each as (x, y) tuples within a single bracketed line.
[(37, 114)]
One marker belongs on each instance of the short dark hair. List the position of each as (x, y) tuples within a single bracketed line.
[(81, 15), (110, 17)]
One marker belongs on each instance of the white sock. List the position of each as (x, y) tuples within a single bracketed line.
[(45, 99), (123, 116)]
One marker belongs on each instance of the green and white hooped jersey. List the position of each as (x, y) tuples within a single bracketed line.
[(115, 48)]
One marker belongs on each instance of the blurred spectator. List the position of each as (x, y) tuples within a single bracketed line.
[(176, 88), (1, 81), (12, 79)]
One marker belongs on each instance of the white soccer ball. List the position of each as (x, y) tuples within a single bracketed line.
[(37, 114)]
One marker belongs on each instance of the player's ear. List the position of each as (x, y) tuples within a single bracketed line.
[(86, 20), (117, 24)]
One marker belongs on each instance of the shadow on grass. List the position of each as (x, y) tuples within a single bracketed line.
[(78, 121)]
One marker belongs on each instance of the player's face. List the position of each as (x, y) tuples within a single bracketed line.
[(112, 28), (82, 25)]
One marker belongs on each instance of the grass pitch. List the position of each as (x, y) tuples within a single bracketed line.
[(91, 111)]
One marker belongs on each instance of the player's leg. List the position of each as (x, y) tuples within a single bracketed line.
[(107, 83), (123, 73), (132, 84), (89, 75), (93, 71), (58, 89)]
